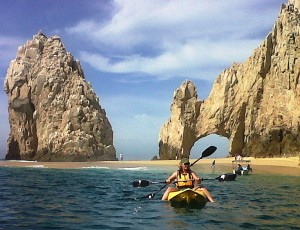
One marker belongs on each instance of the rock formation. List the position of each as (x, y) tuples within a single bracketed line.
[(54, 114), (254, 104)]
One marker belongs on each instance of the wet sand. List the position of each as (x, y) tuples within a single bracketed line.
[(282, 166)]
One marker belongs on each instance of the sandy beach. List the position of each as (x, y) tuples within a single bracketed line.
[(282, 166)]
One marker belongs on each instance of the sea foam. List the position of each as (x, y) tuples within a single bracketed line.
[(135, 169), (95, 167), (36, 166)]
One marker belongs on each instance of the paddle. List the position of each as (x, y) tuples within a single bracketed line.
[(223, 177), (207, 152), (145, 183)]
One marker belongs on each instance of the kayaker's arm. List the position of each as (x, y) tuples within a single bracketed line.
[(171, 178), (198, 181), (196, 178)]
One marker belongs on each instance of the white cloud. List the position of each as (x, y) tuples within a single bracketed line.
[(8, 47), (187, 60), (135, 129), (136, 112), (175, 38), (9, 41), (126, 106)]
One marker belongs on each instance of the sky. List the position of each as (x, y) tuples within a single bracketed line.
[(136, 53)]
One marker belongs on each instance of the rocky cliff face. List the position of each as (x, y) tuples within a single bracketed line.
[(54, 114), (254, 104)]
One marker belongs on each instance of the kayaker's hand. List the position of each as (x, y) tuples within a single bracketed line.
[(168, 181), (198, 181)]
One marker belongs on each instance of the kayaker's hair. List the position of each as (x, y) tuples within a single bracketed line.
[(180, 169)]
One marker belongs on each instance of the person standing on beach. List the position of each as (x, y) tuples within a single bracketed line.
[(213, 164), (186, 179)]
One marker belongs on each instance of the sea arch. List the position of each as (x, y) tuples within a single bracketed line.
[(192, 119)]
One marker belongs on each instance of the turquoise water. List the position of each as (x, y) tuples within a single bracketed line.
[(103, 198)]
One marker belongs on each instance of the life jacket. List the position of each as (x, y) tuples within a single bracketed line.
[(189, 183)]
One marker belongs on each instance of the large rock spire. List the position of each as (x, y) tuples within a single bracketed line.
[(54, 113)]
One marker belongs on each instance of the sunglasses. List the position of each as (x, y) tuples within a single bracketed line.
[(187, 163)]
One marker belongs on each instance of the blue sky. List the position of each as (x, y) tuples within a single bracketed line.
[(136, 53)]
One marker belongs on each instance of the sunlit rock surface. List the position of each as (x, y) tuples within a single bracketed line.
[(54, 114), (256, 104)]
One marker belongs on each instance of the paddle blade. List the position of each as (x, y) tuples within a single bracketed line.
[(149, 196), (140, 183), (207, 152), (226, 177)]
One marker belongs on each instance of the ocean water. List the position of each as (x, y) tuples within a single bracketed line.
[(104, 198)]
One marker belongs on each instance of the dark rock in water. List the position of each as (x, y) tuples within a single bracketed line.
[(54, 114), (154, 158), (254, 104)]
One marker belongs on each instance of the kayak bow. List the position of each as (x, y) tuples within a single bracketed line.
[(187, 198)]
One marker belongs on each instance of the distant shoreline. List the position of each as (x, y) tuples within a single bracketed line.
[(282, 166)]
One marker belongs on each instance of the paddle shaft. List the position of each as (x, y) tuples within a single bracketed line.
[(153, 194), (221, 178), (145, 183)]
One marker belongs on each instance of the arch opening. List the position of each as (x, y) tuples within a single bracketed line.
[(222, 144)]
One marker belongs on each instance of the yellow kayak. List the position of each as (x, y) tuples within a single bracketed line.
[(187, 198)]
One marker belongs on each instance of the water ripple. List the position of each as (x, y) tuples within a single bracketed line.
[(95, 198)]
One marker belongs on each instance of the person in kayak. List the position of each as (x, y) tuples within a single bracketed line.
[(239, 169), (186, 179)]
